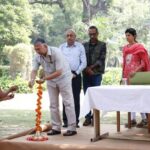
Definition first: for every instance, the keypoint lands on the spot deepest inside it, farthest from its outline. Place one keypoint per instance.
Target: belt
(74, 72)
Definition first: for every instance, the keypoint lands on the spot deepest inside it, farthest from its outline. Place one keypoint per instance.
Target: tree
(54, 2)
(16, 22)
(124, 14)
(120, 16)
(89, 9)
(50, 23)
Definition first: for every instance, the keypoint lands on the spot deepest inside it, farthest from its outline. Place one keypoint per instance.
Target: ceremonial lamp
(38, 136)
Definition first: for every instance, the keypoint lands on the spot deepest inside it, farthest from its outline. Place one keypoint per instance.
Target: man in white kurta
(58, 76)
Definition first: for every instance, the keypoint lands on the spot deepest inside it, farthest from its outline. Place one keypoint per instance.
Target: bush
(4, 71)
(21, 60)
(6, 82)
(22, 84)
(112, 76)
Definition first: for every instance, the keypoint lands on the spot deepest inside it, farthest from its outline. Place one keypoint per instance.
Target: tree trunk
(90, 10)
(54, 2)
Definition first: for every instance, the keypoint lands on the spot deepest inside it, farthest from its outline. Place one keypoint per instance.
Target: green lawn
(15, 121)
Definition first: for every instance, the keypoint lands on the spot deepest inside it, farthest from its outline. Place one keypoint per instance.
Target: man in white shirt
(74, 53)
(58, 76)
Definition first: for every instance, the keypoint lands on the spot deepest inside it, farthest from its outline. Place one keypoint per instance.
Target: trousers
(68, 101)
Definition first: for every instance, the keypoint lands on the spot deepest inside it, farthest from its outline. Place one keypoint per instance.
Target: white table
(115, 98)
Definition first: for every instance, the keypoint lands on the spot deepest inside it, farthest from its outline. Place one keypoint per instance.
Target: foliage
(5, 59)
(123, 14)
(7, 81)
(4, 71)
(112, 76)
(49, 21)
(16, 22)
(21, 60)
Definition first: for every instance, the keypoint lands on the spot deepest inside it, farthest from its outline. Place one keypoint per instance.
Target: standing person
(58, 76)
(92, 74)
(7, 95)
(135, 59)
(74, 53)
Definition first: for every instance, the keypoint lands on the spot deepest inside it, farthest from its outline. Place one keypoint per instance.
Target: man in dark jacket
(92, 74)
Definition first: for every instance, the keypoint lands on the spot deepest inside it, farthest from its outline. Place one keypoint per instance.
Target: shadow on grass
(15, 121)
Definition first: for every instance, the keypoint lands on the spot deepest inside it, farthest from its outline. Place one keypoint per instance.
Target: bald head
(70, 37)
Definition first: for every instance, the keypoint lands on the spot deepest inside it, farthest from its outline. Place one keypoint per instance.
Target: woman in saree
(135, 59)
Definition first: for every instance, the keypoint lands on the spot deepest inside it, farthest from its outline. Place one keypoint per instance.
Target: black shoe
(53, 132)
(69, 133)
(77, 126)
(142, 124)
(87, 122)
(133, 124)
(65, 126)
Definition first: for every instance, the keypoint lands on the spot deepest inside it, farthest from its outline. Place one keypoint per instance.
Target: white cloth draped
(128, 98)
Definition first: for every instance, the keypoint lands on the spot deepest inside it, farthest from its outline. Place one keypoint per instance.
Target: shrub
(6, 82)
(22, 84)
(21, 60)
(4, 71)
(112, 76)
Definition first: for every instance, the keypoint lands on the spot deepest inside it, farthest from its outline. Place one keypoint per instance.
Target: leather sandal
(53, 132)
(69, 133)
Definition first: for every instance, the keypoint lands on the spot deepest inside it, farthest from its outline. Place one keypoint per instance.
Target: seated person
(6, 95)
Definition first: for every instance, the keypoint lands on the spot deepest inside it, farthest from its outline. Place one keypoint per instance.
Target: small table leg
(118, 121)
(129, 120)
(148, 122)
(97, 135)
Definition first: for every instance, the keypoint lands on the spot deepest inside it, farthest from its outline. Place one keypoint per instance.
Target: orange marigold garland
(38, 129)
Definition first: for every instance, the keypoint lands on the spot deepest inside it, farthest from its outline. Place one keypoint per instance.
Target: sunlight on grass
(15, 121)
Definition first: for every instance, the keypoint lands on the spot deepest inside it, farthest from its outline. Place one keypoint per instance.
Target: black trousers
(76, 88)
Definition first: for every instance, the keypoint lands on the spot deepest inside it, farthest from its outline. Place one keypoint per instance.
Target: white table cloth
(128, 98)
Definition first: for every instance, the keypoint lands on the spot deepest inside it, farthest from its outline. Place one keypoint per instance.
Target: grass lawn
(15, 121)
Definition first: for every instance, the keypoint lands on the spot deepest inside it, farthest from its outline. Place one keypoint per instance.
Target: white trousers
(68, 101)
(133, 116)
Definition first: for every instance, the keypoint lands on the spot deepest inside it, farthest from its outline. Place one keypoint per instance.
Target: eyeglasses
(92, 34)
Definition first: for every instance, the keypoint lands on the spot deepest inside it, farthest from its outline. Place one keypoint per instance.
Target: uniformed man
(58, 76)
